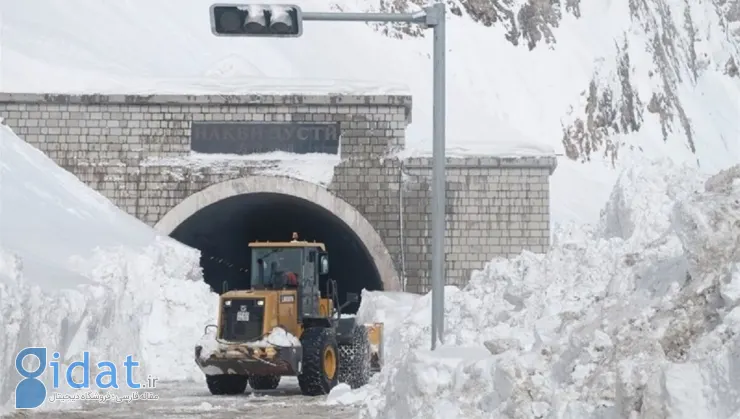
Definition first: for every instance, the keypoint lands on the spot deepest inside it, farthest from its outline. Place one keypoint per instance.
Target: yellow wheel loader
(284, 293)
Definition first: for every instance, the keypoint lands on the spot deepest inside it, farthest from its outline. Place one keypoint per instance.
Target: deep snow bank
(77, 274)
(634, 318)
(47, 215)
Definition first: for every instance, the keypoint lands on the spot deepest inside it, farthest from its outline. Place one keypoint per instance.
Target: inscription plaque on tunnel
(264, 137)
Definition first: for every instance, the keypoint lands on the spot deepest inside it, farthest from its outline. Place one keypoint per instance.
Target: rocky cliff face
(683, 38)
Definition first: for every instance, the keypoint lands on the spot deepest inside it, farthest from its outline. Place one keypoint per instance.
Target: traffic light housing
(273, 20)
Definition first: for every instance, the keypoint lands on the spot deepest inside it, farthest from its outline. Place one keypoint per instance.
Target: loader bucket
(245, 359)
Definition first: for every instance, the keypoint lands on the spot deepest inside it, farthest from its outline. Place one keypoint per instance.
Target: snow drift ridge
(638, 317)
(143, 297)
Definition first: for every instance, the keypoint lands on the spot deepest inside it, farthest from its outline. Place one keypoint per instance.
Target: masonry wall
(496, 207)
(109, 142)
(73, 129)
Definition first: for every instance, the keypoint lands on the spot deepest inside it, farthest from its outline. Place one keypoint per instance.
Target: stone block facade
(495, 207)
(124, 147)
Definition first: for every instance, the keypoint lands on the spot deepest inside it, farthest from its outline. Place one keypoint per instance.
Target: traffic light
(256, 20)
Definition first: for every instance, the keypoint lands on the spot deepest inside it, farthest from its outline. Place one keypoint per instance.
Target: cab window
(271, 266)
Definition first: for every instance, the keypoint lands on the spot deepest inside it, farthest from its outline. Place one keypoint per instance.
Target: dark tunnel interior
(223, 231)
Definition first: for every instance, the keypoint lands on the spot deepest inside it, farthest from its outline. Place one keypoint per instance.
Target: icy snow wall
(638, 317)
(78, 274)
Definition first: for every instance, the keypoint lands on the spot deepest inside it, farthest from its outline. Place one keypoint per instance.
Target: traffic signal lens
(229, 19)
(280, 20)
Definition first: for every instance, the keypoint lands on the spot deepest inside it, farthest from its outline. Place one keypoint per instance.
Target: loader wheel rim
(330, 362)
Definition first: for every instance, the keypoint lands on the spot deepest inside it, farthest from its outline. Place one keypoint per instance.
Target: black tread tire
(354, 359)
(312, 380)
(226, 384)
(264, 382)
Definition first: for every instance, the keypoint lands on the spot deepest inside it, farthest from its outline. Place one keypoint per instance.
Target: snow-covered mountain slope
(78, 274)
(639, 58)
(598, 81)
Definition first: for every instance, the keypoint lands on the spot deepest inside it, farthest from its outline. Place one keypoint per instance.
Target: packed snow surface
(78, 274)
(637, 317)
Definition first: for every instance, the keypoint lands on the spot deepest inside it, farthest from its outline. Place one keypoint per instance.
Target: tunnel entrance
(222, 232)
(224, 218)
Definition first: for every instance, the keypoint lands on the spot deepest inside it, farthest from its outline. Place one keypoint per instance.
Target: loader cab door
(309, 285)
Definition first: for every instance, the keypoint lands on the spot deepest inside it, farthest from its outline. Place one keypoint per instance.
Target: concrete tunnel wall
(296, 188)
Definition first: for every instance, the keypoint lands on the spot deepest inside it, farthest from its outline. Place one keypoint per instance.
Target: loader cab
(296, 265)
(286, 267)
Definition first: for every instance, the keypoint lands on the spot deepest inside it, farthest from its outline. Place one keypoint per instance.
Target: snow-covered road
(191, 400)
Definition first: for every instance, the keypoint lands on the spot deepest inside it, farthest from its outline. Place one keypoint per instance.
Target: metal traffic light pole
(431, 17)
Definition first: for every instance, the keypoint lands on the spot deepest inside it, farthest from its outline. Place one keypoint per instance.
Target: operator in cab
(289, 278)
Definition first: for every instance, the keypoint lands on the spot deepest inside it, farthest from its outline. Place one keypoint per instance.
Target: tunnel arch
(282, 185)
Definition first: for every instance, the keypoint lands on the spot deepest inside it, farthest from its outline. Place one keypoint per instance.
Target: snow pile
(208, 343)
(342, 394)
(278, 337)
(389, 308)
(386, 307)
(634, 318)
(148, 303)
(77, 274)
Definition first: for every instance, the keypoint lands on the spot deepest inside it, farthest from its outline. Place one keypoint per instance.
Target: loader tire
(264, 382)
(320, 363)
(354, 359)
(226, 384)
